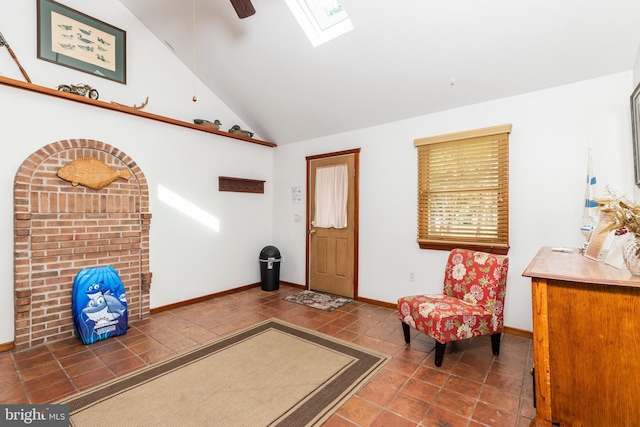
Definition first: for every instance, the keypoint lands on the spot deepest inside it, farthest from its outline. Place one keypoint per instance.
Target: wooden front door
(332, 251)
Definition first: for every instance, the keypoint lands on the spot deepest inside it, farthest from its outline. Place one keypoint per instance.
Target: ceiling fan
(243, 8)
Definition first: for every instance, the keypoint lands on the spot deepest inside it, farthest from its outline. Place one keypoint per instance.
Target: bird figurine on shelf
(215, 124)
(237, 129)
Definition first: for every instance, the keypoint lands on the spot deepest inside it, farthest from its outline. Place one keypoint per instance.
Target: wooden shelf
(124, 109)
(240, 185)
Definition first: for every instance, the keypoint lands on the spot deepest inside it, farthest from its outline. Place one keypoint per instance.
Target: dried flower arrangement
(623, 212)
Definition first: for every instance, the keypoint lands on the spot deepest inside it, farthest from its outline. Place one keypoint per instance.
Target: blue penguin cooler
(99, 304)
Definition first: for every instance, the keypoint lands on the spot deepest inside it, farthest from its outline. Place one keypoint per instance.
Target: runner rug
(271, 374)
(319, 300)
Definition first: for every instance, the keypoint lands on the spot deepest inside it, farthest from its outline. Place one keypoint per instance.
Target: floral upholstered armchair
(472, 303)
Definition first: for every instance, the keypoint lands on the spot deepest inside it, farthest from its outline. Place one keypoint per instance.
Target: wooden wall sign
(240, 185)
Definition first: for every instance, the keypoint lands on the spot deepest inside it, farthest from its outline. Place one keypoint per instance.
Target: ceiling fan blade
(243, 8)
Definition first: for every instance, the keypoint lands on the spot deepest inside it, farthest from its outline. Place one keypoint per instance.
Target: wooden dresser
(586, 338)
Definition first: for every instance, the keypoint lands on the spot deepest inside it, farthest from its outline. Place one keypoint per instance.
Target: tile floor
(472, 388)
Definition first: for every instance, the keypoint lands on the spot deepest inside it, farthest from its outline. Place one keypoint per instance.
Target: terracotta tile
(367, 342)
(330, 328)
(77, 358)
(40, 358)
(411, 354)
(44, 380)
(431, 376)
(500, 399)
(346, 335)
(439, 417)
(426, 346)
(455, 402)
(125, 366)
(386, 419)
(143, 345)
(93, 378)
(387, 348)
(408, 407)
(105, 347)
(506, 383)
(6, 362)
(464, 386)
(29, 353)
(42, 369)
(181, 343)
(131, 340)
(377, 392)
(12, 390)
(156, 355)
(391, 378)
(527, 409)
(477, 359)
(52, 393)
(524, 421)
(337, 421)
(402, 366)
(513, 370)
(84, 366)
(469, 372)
(359, 411)
(420, 390)
(112, 357)
(494, 416)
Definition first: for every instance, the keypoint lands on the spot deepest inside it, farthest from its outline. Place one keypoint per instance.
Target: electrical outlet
(412, 277)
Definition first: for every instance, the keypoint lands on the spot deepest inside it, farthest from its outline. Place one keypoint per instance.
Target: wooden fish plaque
(91, 172)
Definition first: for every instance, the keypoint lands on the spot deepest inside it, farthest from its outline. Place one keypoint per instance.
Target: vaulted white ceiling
(404, 58)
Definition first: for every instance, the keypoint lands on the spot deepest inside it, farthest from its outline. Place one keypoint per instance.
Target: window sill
(123, 109)
(444, 246)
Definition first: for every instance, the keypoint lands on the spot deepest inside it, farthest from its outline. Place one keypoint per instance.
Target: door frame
(356, 213)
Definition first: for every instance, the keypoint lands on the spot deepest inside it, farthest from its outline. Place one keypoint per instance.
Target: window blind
(463, 190)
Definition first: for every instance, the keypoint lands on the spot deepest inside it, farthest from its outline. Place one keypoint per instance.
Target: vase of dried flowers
(631, 255)
(624, 217)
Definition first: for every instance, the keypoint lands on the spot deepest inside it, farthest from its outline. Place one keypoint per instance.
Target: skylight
(321, 20)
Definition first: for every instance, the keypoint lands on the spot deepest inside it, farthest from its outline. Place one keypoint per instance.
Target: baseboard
(202, 298)
(376, 302)
(6, 346)
(518, 332)
(293, 285)
(215, 295)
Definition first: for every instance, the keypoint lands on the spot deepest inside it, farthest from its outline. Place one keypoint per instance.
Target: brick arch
(60, 229)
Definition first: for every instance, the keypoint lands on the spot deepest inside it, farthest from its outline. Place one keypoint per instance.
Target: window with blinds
(463, 190)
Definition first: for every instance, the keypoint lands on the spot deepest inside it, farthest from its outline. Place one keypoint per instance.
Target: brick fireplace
(60, 229)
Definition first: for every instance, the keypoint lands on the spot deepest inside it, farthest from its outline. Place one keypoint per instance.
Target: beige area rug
(271, 374)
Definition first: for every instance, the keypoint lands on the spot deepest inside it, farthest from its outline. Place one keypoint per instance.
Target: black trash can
(270, 268)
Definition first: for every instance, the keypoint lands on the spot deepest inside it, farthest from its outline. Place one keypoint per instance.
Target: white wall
(188, 259)
(552, 130)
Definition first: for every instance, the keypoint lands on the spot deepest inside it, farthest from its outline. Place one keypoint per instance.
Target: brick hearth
(60, 229)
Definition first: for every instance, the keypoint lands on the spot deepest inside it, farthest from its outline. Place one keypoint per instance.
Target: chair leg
(440, 352)
(495, 344)
(407, 332)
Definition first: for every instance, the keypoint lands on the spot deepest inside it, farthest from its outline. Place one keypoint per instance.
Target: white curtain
(332, 190)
